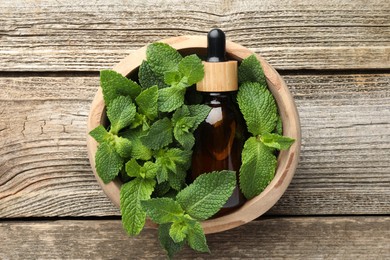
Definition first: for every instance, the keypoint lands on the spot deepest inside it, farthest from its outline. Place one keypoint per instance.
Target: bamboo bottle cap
(220, 75)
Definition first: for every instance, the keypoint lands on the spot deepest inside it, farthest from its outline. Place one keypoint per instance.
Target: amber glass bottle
(219, 139)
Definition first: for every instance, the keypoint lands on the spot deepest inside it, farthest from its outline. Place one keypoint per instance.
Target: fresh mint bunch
(180, 218)
(150, 134)
(259, 109)
(149, 139)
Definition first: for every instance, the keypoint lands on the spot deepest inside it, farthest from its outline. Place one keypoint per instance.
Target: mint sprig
(200, 200)
(259, 109)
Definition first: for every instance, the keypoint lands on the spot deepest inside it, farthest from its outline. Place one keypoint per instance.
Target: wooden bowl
(287, 160)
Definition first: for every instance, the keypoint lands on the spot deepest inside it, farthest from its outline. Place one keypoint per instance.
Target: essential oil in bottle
(220, 138)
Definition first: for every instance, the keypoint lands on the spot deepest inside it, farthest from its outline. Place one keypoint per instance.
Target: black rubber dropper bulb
(216, 46)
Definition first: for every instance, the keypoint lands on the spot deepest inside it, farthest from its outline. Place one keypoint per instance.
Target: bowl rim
(287, 160)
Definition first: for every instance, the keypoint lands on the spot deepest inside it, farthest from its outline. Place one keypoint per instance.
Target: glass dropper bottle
(220, 138)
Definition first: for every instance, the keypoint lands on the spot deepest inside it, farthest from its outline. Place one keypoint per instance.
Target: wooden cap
(219, 77)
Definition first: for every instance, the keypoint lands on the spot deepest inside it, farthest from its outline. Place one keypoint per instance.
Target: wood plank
(344, 166)
(52, 35)
(292, 238)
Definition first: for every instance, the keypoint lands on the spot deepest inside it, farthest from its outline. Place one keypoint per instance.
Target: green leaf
(162, 173)
(200, 113)
(147, 78)
(108, 162)
(257, 168)
(161, 189)
(185, 123)
(180, 113)
(161, 57)
(131, 195)
(258, 108)
(207, 194)
(185, 138)
(250, 70)
(133, 169)
(167, 242)
(170, 98)
(178, 231)
(100, 134)
(172, 77)
(122, 146)
(159, 135)
(147, 102)
(192, 68)
(121, 113)
(114, 85)
(138, 149)
(162, 210)
(177, 180)
(147, 171)
(197, 239)
(277, 141)
(279, 126)
(172, 160)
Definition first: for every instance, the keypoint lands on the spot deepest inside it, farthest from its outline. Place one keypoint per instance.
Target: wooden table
(334, 56)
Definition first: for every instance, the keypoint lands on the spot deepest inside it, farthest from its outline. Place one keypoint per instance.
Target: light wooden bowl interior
(287, 160)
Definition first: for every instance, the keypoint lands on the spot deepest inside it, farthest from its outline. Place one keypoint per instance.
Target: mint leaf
(138, 149)
(183, 125)
(131, 195)
(100, 134)
(172, 77)
(257, 168)
(177, 179)
(250, 70)
(162, 210)
(147, 78)
(200, 113)
(279, 126)
(161, 189)
(258, 108)
(147, 102)
(170, 98)
(185, 120)
(191, 67)
(122, 146)
(178, 231)
(185, 138)
(108, 162)
(114, 84)
(207, 194)
(277, 141)
(147, 171)
(167, 242)
(172, 160)
(197, 239)
(161, 57)
(182, 134)
(120, 112)
(159, 135)
(181, 112)
(133, 169)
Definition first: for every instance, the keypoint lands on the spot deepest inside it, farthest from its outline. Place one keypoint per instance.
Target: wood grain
(344, 166)
(280, 238)
(52, 35)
